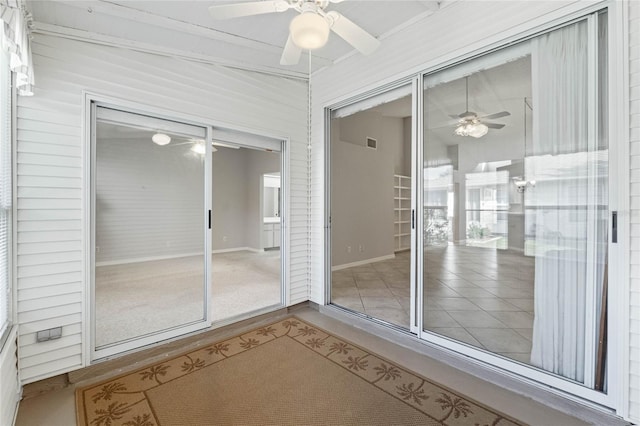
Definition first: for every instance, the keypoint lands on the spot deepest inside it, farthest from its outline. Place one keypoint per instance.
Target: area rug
(286, 373)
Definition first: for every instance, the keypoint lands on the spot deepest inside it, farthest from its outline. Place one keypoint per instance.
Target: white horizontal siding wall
(50, 185)
(457, 29)
(10, 389)
(634, 149)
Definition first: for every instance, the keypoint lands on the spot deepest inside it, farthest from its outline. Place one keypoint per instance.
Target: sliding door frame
(617, 191)
(405, 82)
(285, 296)
(93, 354)
(618, 119)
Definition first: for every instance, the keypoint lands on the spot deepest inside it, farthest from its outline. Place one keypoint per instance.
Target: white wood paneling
(50, 184)
(634, 161)
(10, 389)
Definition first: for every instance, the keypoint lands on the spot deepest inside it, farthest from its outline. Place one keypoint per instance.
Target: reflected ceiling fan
(197, 145)
(470, 124)
(309, 30)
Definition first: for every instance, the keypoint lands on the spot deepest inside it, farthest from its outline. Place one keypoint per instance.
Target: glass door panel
(247, 229)
(372, 207)
(149, 229)
(516, 203)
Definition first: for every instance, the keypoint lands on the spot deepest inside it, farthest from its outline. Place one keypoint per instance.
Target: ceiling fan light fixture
(478, 130)
(309, 30)
(198, 148)
(161, 139)
(473, 128)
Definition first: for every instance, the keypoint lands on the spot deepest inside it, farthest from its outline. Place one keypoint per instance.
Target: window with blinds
(5, 195)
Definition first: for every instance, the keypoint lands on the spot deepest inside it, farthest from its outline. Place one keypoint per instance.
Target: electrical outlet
(97, 249)
(49, 334)
(348, 249)
(361, 248)
(225, 238)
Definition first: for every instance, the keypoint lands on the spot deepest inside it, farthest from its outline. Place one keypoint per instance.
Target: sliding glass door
(495, 239)
(371, 207)
(249, 183)
(515, 203)
(150, 230)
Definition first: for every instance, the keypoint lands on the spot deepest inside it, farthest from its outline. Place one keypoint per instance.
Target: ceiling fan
(470, 124)
(197, 145)
(309, 30)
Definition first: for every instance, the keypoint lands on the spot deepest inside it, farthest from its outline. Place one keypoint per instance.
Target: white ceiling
(185, 28)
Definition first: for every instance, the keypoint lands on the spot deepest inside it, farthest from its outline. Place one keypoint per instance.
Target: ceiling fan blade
(455, 116)
(352, 33)
(291, 53)
(228, 11)
(494, 125)
(497, 115)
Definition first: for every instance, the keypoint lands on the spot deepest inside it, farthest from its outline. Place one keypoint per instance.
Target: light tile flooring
(482, 297)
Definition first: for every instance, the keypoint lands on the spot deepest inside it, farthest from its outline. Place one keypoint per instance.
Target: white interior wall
(260, 162)
(51, 178)
(362, 186)
(229, 206)
(149, 200)
(237, 196)
(404, 168)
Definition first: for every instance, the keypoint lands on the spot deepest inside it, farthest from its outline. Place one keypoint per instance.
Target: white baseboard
(363, 262)
(145, 259)
(174, 256)
(232, 249)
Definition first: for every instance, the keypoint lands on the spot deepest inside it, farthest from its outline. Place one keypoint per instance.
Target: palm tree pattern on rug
(122, 401)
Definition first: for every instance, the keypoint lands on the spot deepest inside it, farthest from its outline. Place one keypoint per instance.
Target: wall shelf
(402, 212)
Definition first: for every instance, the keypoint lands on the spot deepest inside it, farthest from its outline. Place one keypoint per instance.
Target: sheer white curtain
(568, 205)
(16, 40)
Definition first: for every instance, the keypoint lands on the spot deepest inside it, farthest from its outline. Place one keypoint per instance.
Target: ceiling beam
(141, 16)
(105, 40)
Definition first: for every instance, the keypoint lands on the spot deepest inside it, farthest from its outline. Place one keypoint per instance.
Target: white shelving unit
(402, 212)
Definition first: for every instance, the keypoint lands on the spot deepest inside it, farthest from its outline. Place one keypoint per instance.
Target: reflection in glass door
(516, 203)
(149, 230)
(372, 208)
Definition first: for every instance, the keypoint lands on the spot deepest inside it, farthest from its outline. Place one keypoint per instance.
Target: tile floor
(482, 297)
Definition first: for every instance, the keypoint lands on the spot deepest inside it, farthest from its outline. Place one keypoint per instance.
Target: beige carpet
(288, 373)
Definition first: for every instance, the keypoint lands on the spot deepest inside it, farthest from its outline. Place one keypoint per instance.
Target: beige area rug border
(408, 394)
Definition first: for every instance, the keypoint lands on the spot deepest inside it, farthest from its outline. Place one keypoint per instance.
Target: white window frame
(6, 327)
